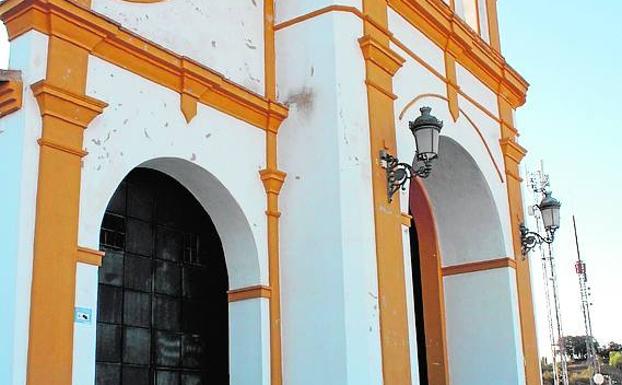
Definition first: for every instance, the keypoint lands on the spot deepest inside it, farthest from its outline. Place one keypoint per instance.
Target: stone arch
(467, 218)
(238, 242)
(248, 319)
(241, 251)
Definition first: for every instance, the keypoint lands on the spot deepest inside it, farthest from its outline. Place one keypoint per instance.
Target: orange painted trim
(452, 86)
(66, 111)
(273, 180)
(438, 22)
(61, 147)
(479, 266)
(252, 292)
(513, 154)
(318, 12)
(493, 25)
(89, 256)
(109, 41)
(381, 55)
(381, 63)
(410, 104)
(65, 105)
(11, 92)
(407, 219)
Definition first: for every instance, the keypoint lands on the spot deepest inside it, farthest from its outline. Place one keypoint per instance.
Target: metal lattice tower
(539, 183)
(584, 291)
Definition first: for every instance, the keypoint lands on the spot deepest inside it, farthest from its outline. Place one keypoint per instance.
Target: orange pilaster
(381, 63)
(513, 154)
(65, 112)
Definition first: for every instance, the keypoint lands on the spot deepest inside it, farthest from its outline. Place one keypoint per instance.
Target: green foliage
(576, 347)
(615, 359)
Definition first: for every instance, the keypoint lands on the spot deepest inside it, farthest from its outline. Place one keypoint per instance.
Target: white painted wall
(483, 331)
(249, 342)
(227, 36)
(216, 157)
(470, 203)
(328, 258)
(19, 161)
(286, 9)
(84, 333)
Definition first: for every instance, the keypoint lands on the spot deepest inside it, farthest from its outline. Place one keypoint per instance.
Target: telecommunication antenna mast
(584, 291)
(539, 183)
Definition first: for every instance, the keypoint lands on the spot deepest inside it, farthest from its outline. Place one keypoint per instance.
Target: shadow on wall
(467, 218)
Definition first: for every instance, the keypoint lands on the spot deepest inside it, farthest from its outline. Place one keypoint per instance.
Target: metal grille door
(162, 316)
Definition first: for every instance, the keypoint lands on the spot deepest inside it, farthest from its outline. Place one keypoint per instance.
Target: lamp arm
(398, 174)
(529, 239)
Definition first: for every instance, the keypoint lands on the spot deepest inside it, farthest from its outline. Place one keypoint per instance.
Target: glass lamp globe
(549, 208)
(426, 130)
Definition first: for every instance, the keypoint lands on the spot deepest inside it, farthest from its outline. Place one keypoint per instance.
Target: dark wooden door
(162, 316)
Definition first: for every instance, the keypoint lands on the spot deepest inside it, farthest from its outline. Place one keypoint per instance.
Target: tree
(615, 359)
(576, 347)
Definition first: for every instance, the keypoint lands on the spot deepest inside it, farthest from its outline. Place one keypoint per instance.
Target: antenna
(539, 183)
(580, 268)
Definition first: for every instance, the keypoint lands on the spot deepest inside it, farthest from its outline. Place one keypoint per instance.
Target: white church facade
(193, 192)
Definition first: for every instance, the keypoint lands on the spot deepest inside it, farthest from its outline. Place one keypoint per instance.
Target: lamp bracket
(530, 239)
(398, 174)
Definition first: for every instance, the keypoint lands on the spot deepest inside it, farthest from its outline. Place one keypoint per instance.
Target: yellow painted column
(65, 112)
(381, 64)
(273, 180)
(513, 154)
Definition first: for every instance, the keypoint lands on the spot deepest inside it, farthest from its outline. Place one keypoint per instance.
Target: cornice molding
(512, 150)
(109, 41)
(11, 92)
(479, 266)
(89, 256)
(440, 24)
(252, 292)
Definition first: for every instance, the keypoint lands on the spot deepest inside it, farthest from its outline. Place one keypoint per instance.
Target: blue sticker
(83, 315)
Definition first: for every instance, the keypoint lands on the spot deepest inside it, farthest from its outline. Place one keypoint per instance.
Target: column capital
(381, 55)
(272, 180)
(78, 110)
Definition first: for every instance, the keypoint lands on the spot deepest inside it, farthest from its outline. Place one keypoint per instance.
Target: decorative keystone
(11, 91)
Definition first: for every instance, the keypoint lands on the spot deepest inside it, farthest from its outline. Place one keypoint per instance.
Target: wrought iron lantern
(549, 210)
(426, 129)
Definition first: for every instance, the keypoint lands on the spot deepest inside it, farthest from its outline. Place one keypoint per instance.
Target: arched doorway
(162, 314)
(427, 288)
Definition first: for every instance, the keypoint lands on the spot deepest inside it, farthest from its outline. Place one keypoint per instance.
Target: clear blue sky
(570, 51)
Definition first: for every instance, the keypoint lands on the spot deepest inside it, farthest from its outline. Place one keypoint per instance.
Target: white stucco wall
(483, 331)
(19, 163)
(286, 9)
(328, 258)
(414, 80)
(227, 36)
(144, 122)
(216, 157)
(481, 308)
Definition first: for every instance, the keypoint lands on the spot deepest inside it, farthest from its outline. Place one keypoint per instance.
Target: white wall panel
(227, 36)
(19, 164)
